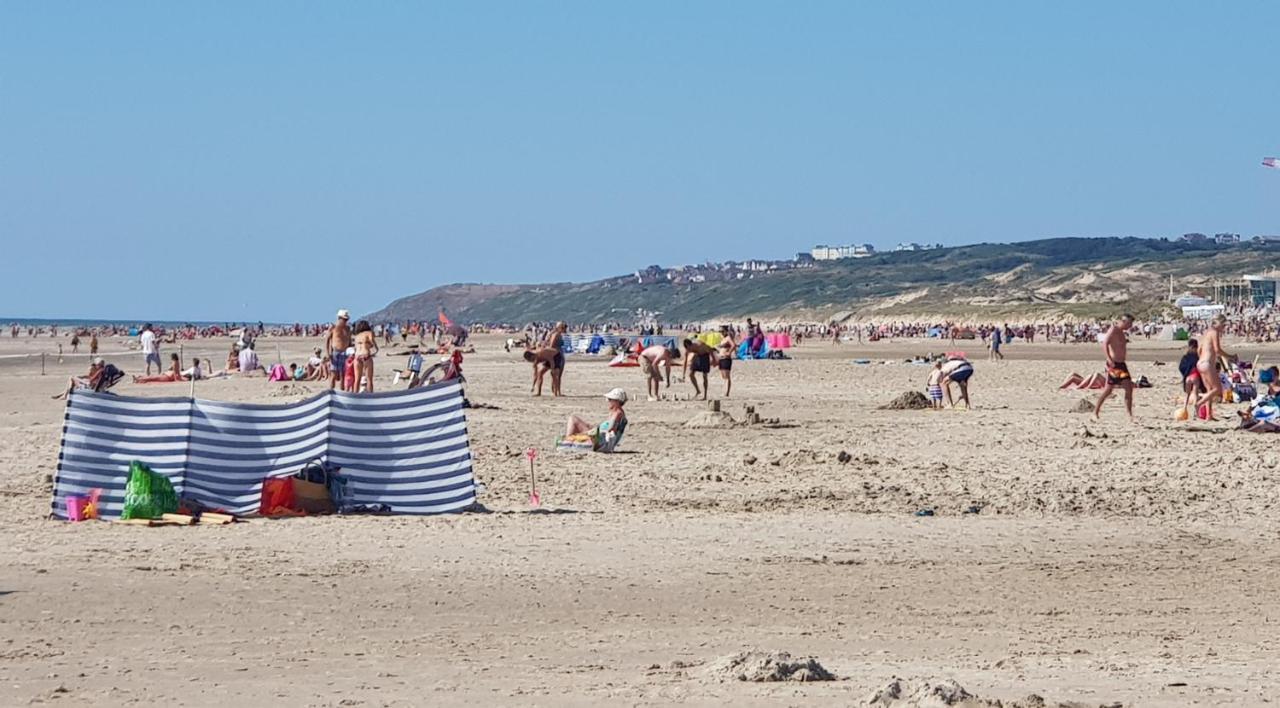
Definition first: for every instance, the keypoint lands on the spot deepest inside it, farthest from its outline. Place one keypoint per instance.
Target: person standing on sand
(996, 337)
(1115, 346)
(1211, 352)
(366, 349)
(93, 344)
(555, 342)
(150, 348)
(700, 354)
(725, 363)
(335, 347)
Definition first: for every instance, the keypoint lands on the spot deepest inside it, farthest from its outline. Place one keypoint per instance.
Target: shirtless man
(335, 347)
(701, 356)
(543, 360)
(1211, 352)
(555, 342)
(1115, 347)
(650, 359)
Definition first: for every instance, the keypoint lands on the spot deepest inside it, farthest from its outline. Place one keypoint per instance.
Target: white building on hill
(835, 253)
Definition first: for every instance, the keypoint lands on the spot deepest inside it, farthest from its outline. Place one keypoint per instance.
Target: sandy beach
(1100, 563)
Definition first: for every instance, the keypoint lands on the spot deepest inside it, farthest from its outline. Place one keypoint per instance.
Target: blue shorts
(152, 357)
(338, 362)
(961, 374)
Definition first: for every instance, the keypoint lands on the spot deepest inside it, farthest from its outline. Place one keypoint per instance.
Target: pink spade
(534, 499)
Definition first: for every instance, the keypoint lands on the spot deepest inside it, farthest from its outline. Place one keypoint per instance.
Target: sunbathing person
(173, 374)
(317, 367)
(248, 361)
(195, 373)
(87, 381)
(605, 436)
(1083, 382)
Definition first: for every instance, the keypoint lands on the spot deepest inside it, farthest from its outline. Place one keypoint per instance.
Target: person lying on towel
(605, 436)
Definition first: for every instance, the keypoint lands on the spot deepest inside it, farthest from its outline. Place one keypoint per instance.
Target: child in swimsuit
(935, 385)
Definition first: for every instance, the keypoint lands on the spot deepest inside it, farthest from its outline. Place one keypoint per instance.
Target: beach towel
(575, 444)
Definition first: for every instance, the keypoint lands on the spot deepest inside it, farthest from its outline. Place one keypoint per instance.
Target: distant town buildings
(815, 257)
(836, 253)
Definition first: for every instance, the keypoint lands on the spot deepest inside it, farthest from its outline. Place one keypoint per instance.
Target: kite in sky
(1271, 162)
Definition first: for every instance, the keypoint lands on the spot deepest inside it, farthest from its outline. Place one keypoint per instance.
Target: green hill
(1051, 278)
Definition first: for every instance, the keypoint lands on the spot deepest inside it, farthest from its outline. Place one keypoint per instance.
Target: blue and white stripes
(406, 449)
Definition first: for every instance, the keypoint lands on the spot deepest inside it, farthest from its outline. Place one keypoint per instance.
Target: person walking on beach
(93, 344)
(1115, 346)
(996, 337)
(1211, 353)
(150, 348)
(335, 347)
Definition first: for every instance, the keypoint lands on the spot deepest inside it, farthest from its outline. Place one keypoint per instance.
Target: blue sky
(279, 160)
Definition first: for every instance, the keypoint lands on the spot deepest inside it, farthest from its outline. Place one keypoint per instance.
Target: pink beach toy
(534, 499)
(76, 504)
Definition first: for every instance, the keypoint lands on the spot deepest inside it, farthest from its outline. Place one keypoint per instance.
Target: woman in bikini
(173, 375)
(1211, 352)
(366, 348)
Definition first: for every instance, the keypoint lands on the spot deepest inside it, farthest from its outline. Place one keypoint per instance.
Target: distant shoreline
(85, 322)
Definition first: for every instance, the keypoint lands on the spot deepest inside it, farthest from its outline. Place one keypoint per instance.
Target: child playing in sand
(935, 385)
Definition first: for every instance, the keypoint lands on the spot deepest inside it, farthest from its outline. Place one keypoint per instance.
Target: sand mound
(761, 666)
(1085, 405)
(943, 694)
(711, 419)
(291, 390)
(911, 400)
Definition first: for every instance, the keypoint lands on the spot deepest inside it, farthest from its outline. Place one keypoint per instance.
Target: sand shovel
(534, 499)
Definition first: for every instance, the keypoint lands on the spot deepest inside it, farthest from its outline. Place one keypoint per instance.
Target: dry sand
(1103, 566)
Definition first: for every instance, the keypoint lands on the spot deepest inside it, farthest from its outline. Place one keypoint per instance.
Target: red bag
(277, 496)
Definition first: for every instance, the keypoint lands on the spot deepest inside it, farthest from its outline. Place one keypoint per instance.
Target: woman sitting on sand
(233, 360)
(605, 436)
